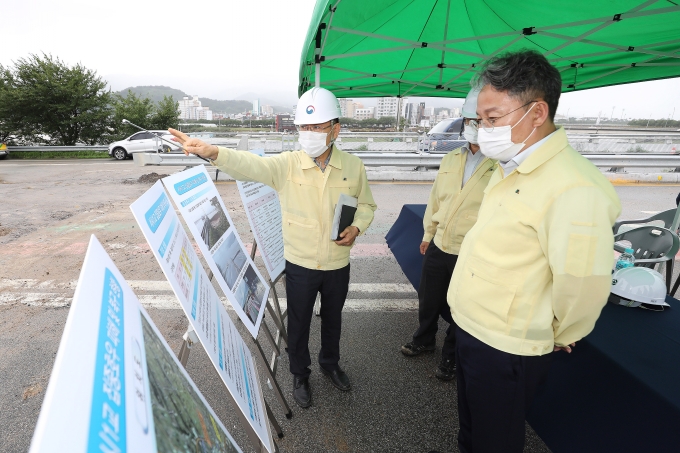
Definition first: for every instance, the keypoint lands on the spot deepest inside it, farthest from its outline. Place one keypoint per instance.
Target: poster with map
(198, 298)
(204, 212)
(116, 386)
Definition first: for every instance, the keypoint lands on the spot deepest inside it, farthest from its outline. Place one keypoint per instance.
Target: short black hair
(526, 75)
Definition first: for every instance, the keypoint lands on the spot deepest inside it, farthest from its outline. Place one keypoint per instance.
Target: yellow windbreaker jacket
(535, 270)
(308, 197)
(452, 210)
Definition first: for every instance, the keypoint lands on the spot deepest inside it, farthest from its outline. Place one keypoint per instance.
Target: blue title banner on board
(195, 196)
(166, 239)
(154, 216)
(107, 416)
(185, 186)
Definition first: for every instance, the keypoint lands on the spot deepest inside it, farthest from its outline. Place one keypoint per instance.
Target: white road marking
(382, 288)
(164, 285)
(33, 283)
(35, 299)
(150, 285)
(167, 302)
(33, 292)
(650, 212)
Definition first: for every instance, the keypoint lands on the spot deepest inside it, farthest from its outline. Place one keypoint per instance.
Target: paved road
(49, 210)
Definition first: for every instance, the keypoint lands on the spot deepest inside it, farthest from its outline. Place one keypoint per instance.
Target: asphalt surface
(48, 210)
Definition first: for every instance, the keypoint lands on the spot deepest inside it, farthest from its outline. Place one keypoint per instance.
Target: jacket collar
(545, 152)
(336, 158)
(307, 162)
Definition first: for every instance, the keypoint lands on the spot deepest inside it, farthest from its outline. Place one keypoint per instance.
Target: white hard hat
(317, 106)
(469, 109)
(639, 287)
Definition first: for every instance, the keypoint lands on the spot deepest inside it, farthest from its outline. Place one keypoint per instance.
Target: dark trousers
(302, 286)
(495, 391)
(434, 285)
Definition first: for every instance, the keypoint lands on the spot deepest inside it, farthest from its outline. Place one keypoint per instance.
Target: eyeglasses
(315, 127)
(489, 123)
(472, 123)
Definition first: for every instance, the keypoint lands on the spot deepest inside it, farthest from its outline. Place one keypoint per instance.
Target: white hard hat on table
(638, 287)
(469, 109)
(317, 106)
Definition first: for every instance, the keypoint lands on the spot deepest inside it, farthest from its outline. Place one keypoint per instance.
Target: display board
(229, 354)
(263, 209)
(202, 208)
(116, 386)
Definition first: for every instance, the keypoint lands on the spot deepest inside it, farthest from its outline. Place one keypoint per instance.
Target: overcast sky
(224, 49)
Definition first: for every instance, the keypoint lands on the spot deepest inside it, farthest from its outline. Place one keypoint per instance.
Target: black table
(618, 391)
(404, 240)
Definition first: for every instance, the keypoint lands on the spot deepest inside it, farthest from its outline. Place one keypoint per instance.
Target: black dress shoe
(302, 394)
(446, 371)
(338, 378)
(411, 349)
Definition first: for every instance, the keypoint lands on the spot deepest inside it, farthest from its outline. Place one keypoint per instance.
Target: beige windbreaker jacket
(535, 270)
(452, 210)
(308, 197)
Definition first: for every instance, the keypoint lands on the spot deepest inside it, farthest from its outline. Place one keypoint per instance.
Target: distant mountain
(156, 93)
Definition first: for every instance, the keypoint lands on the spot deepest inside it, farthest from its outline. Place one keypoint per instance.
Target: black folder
(346, 219)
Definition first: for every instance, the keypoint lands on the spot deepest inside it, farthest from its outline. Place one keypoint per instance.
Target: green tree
(142, 112)
(166, 114)
(59, 104)
(133, 108)
(10, 126)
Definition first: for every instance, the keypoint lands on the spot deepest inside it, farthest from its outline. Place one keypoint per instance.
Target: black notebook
(344, 215)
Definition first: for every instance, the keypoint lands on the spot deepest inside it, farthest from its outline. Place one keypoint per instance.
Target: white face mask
(498, 144)
(314, 143)
(470, 134)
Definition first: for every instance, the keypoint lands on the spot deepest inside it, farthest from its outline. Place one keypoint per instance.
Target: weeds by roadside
(59, 155)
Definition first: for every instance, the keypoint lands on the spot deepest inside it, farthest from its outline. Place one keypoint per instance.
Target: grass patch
(59, 155)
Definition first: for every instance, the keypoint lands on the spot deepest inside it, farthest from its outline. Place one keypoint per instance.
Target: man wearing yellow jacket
(451, 210)
(309, 183)
(535, 271)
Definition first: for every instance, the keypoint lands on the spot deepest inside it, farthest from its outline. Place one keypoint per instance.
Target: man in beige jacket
(309, 183)
(451, 211)
(535, 271)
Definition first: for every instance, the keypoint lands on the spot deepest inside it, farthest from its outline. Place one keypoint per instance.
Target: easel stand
(278, 317)
(190, 338)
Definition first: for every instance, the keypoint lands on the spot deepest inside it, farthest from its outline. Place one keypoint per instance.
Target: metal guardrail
(415, 160)
(411, 160)
(583, 140)
(634, 160)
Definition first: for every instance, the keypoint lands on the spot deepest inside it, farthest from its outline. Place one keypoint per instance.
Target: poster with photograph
(263, 209)
(116, 386)
(222, 342)
(203, 210)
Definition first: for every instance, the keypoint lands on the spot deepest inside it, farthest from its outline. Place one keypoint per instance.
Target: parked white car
(142, 142)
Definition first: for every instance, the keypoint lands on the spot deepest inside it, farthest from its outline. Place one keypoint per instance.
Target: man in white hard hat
(309, 183)
(451, 211)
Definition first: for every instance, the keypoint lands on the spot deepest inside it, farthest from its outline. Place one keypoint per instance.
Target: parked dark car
(445, 136)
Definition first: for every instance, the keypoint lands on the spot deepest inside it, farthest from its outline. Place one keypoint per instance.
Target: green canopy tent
(372, 48)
